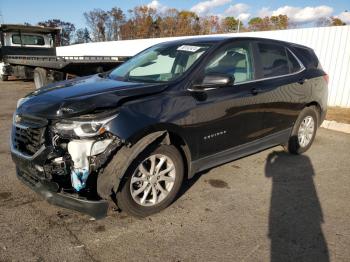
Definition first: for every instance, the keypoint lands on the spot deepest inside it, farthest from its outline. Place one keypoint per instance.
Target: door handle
(255, 91)
(302, 81)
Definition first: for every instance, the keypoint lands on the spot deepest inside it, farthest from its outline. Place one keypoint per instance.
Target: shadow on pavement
(295, 212)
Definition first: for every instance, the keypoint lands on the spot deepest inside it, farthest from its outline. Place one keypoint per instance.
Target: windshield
(160, 63)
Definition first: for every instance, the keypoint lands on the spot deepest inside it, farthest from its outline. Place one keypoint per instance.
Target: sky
(299, 11)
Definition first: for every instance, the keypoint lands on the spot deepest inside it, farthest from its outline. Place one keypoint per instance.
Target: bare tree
(117, 19)
(145, 22)
(67, 29)
(97, 20)
(323, 21)
(168, 23)
(230, 24)
(82, 35)
(337, 21)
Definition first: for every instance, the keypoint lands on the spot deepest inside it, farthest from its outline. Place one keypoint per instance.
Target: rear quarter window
(294, 65)
(274, 61)
(277, 60)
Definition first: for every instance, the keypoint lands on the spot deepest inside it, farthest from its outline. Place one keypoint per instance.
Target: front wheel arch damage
(109, 180)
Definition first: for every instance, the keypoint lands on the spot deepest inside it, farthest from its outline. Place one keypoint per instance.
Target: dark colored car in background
(134, 134)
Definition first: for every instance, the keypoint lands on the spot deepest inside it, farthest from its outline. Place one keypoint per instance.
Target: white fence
(331, 44)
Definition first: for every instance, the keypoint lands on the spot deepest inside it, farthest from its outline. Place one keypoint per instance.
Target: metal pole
(239, 24)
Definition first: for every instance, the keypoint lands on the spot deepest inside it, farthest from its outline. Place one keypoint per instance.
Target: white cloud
(236, 9)
(244, 16)
(263, 12)
(298, 14)
(239, 11)
(344, 16)
(157, 5)
(205, 7)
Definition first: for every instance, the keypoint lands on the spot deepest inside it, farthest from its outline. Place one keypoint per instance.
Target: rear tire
(157, 189)
(304, 131)
(40, 77)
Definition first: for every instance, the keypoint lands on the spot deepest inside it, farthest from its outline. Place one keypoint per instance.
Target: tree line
(146, 22)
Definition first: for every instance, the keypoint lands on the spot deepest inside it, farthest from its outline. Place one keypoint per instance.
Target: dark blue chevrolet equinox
(132, 135)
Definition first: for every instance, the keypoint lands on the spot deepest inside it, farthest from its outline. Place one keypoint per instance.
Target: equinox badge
(215, 135)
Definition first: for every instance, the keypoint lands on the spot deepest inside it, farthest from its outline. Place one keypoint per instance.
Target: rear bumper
(322, 116)
(27, 173)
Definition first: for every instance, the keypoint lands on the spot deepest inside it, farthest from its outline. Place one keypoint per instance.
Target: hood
(82, 95)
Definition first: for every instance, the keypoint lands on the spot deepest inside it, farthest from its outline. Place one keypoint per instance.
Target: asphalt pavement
(270, 206)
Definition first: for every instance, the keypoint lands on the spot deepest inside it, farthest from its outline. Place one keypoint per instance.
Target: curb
(336, 126)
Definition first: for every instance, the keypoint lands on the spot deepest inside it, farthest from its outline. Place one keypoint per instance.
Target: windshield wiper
(137, 79)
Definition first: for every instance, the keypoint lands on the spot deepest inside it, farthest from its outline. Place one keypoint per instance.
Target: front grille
(28, 138)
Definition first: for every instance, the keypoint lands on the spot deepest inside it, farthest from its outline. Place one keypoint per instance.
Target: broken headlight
(87, 128)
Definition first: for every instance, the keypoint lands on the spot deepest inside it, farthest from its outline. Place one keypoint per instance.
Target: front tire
(152, 181)
(304, 131)
(40, 77)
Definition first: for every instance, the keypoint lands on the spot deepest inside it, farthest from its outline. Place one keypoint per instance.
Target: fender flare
(109, 179)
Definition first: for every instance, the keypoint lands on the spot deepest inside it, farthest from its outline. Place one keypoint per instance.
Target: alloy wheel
(152, 180)
(306, 131)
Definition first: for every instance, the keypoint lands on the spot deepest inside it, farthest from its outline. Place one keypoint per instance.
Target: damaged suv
(132, 135)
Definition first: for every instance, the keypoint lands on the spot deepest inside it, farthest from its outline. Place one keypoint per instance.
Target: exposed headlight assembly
(88, 128)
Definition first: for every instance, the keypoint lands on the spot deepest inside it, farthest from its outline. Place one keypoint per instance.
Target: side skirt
(240, 151)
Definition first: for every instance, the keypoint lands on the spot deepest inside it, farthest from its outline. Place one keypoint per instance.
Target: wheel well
(181, 145)
(172, 138)
(318, 108)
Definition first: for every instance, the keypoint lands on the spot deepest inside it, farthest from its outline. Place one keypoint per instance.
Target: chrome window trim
(302, 68)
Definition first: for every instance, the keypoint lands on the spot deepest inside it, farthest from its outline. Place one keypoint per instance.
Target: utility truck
(29, 53)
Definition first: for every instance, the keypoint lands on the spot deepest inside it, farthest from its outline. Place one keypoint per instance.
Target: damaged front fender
(109, 179)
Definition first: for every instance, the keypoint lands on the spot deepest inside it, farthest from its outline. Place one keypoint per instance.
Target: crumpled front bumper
(28, 173)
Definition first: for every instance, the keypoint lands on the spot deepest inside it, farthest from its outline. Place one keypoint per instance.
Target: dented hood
(83, 95)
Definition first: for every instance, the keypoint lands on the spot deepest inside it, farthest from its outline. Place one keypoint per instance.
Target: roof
(197, 40)
(226, 38)
(28, 28)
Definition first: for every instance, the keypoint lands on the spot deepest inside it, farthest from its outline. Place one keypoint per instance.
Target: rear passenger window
(235, 60)
(294, 65)
(274, 60)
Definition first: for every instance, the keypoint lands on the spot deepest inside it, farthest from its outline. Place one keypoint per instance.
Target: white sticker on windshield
(189, 48)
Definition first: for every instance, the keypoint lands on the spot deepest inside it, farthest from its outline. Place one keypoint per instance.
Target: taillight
(326, 78)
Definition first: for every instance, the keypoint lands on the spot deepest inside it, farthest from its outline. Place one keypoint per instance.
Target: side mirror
(212, 81)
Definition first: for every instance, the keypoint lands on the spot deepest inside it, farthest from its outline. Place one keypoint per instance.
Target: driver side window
(234, 60)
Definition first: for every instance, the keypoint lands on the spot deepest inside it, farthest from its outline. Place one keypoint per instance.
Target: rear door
(280, 79)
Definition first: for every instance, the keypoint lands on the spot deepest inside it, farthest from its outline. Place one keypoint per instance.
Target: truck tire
(40, 77)
(4, 77)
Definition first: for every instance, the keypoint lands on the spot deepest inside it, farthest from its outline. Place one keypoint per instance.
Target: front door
(228, 116)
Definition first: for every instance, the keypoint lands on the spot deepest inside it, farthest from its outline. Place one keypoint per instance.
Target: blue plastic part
(78, 178)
